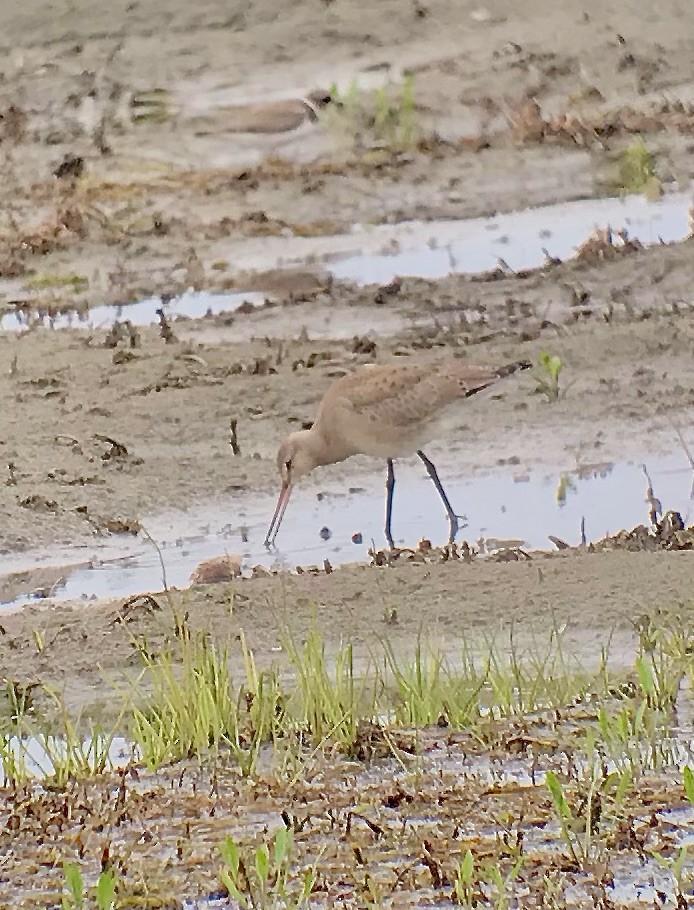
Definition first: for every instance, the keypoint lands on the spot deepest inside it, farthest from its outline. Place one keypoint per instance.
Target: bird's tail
(493, 376)
(510, 368)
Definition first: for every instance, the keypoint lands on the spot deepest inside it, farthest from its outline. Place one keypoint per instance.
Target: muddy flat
(89, 651)
(133, 173)
(210, 212)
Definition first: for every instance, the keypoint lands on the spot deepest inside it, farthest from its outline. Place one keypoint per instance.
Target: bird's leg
(453, 519)
(390, 487)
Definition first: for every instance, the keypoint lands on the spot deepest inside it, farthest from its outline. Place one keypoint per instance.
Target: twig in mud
(584, 541)
(687, 452)
(233, 438)
(143, 600)
(655, 507)
(156, 546)
(375, 829)
(113, 336)
(195, 271)
(401, 875)
(133, 334)
(427, 857)
(165, 330)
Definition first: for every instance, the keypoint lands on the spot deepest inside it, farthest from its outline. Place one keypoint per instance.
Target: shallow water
(633, 879)
(506, 508)
(35, 753)
(414, 248)
(192, 305)
(475, 245)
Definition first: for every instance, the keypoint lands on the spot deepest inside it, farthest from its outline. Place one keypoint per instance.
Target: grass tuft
(637, 170)
(262, 878)
(385, 118)
(195, 707)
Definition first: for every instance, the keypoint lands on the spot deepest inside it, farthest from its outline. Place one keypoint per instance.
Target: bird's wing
(404, 394)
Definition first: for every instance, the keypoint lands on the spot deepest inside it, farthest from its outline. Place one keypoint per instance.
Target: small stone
(326, 533)
(357, 538)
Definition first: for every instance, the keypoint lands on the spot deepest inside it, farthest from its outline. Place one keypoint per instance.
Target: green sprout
(547, 375)
(259, 879)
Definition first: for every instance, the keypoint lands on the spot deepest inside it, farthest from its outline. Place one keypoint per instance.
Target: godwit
(387, 411)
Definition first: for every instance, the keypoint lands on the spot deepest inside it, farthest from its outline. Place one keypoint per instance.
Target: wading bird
(388, 411)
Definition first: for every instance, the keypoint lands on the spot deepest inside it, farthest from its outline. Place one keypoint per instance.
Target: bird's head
(322, 98)
(296, 458)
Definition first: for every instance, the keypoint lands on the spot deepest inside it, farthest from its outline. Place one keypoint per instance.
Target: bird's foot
(456, 523)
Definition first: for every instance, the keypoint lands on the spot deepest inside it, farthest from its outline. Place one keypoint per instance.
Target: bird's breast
(383, 437)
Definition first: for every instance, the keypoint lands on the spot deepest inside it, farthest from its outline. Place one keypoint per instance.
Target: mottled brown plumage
(388, 411)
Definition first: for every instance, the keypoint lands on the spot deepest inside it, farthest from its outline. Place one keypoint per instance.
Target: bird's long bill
(280, 509)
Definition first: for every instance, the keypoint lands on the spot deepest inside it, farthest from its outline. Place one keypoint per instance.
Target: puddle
(40, 755)
(501, 509)
(645, 880)
(414, 248)
(680, 821)
(475, 245)
(272, 322)
(191, 305)
(434, 249)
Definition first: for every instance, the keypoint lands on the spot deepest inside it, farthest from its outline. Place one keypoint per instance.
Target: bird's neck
(320, 447)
